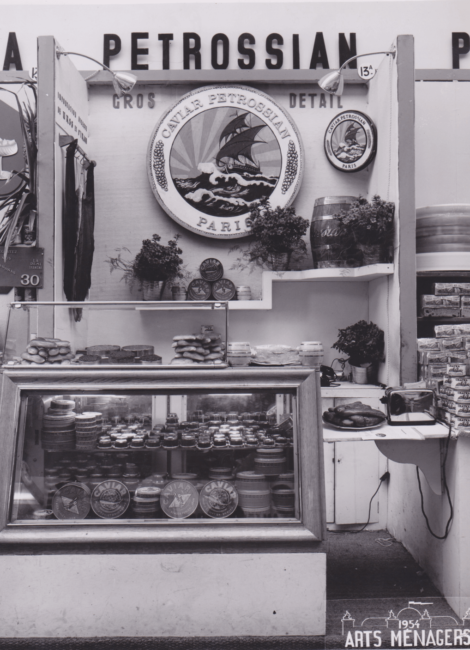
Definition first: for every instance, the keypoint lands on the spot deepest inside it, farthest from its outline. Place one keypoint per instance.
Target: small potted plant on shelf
(277, 237)
(363, 342)
(153, 267)
(367, 231)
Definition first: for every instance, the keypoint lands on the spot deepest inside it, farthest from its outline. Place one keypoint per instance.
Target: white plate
(372, 426)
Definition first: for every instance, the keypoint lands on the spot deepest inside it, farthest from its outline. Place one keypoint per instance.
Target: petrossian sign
(217, 152)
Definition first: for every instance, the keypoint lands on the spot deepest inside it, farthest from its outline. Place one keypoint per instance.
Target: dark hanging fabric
(70, 217)
(86, 242)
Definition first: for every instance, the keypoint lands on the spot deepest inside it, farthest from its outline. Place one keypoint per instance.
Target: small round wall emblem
(218, 151)
(110, 499)
(218, 499)
(179, 499)
(351, 141)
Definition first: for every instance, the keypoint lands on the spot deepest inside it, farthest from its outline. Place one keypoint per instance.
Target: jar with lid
(311, 353)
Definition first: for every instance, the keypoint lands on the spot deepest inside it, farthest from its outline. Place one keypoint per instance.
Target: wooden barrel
(326, 249)
(443, 228)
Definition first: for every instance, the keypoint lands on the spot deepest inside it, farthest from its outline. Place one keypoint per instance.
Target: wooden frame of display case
(308, 454)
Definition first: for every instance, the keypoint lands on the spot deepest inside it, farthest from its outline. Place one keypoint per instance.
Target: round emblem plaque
(179, 499)
(351, 141)
(211, 269)
(218, 151)
(218, 499)
(110, 499)
(71, 501)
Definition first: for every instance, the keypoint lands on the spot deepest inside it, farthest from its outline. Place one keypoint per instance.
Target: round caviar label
(199, 290)
(218, 499)
(223, 289)
(110, 499)
(71, 501)
(211, 269)
(351, 141)
(217, 152)
(179, 499)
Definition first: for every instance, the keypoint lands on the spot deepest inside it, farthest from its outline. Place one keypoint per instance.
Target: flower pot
(371, 254)
(365, 374)
(152, 290)
(279, 261)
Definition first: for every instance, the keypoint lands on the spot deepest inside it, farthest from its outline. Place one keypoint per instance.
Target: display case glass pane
(82, 335)
(156, 457)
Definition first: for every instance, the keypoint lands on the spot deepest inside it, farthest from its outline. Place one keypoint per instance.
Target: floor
(369, 575)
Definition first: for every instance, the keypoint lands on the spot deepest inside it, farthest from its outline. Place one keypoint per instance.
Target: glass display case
(90, 334)
(237, 450)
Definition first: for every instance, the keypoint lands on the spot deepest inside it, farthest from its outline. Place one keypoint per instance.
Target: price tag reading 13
(217, 152)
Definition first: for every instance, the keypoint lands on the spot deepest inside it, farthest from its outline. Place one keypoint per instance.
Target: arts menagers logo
(412, 627)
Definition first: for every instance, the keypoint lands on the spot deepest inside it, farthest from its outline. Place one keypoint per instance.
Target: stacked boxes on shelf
(454, 403)
(450, 300)
(447, 354)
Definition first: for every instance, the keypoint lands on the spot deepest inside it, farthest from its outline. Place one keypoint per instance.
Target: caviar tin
(283, 496)
(224, 289)
(253, 512)
(249, 480)
(110, 499)
(199, 289)
(179, 499)
(254, 498)
(270, 466)
(218, 499)
(211, 269)
(71, 501)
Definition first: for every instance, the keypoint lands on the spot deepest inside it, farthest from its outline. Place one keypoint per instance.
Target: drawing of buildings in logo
(407, 618)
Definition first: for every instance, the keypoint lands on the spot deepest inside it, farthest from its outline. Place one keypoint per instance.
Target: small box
(433, 356)
(446, 288)
(465, 301)
(462, 410)
(436, 370)
(441, 312)
(460, 421)
(456, 369)
(462, 329)
(432, 301)
(451, 344)
(429, 344)
(465, 312)
(457, 356)
(443, 331)
(458, 383)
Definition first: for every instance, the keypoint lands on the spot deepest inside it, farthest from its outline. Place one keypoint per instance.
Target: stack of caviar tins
(144, 354)
(88, 427)
(58, 432)
(270, 461)
(254, 495)
(131, 477)
(454, 403)
(221, 474)
(204, 348)
(146, 502)
(446, 354)
(283, 496)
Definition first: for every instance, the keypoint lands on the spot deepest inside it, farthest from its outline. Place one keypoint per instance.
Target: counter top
(385, 432)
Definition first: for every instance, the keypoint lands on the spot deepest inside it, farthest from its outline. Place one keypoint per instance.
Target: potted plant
(367, 230)
(363, 342)
(277, 237)
(153, 267)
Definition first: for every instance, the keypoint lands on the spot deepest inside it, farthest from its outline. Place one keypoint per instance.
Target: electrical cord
(446, 487)
(383, 478)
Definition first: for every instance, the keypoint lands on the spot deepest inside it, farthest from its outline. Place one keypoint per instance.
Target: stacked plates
(58, 427)
(87, 427)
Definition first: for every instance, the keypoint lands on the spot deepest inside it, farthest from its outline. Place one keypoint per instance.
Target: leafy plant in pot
(154, 266)
(277, 237)
(363, 342)
(367, 230)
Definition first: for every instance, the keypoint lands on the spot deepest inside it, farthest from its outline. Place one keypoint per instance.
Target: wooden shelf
(442, 319)
(359, 274)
